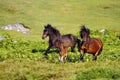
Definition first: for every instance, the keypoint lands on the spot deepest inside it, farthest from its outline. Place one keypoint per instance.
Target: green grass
(63, 14)
(24, 60)
(32, 70)
(99, 73)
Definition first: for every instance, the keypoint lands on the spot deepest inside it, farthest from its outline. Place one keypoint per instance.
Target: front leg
(48, 49)
(82, 55)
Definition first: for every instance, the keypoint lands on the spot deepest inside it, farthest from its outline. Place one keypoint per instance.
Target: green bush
(11, 48)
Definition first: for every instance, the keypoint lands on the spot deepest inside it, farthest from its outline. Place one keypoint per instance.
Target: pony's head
(49, 30)
(84, 33)
(46, 31)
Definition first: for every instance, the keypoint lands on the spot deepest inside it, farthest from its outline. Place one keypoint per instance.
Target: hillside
(62, 14)
(22, 55)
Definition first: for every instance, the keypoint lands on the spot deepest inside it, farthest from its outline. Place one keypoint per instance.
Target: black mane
(53, 30)
(84, 29)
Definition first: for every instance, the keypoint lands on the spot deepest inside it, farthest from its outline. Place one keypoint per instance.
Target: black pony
(56, 40)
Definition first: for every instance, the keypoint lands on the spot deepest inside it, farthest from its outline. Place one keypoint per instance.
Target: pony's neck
(88, 38)
(54, 36)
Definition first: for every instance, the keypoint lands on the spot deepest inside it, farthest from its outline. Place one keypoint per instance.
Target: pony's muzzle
(84, 40)
(43, 37)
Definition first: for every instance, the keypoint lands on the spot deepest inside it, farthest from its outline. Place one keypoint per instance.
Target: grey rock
(16, 27)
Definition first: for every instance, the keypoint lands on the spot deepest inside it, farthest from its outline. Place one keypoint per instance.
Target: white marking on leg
(61, 58)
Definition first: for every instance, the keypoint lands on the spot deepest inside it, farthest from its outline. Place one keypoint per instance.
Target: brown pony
(56, 40)
(89, 45)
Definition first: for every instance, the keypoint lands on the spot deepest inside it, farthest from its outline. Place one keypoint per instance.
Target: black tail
(79, 44)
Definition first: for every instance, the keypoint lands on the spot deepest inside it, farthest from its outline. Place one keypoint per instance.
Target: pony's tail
(79, 44)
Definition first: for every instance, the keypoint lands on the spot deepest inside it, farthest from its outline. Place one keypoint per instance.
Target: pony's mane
(84, 29)
(54, 30)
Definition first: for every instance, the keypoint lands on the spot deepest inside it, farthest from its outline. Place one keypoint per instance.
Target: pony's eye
(45, 30)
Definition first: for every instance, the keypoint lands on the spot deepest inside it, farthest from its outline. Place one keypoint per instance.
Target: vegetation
(23, 59)
(22, 55)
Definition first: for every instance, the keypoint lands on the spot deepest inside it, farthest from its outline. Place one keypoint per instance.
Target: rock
(103, 31)
(16, 27)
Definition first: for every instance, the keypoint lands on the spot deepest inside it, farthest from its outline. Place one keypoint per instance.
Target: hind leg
(94, 58)
(96, 54)
(63, 54)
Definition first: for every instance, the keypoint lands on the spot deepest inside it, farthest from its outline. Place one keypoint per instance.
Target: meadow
(22, 55)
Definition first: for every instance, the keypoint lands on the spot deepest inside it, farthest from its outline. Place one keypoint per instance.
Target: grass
(25, 60)
(62, 14)
(98, 73)
(67, 16)
(32, 70)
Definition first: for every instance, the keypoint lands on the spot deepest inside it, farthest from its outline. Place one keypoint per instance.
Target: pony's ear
(45, 26)
(49, 25)
(83, 28)
(81, 35)
(88, 31)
